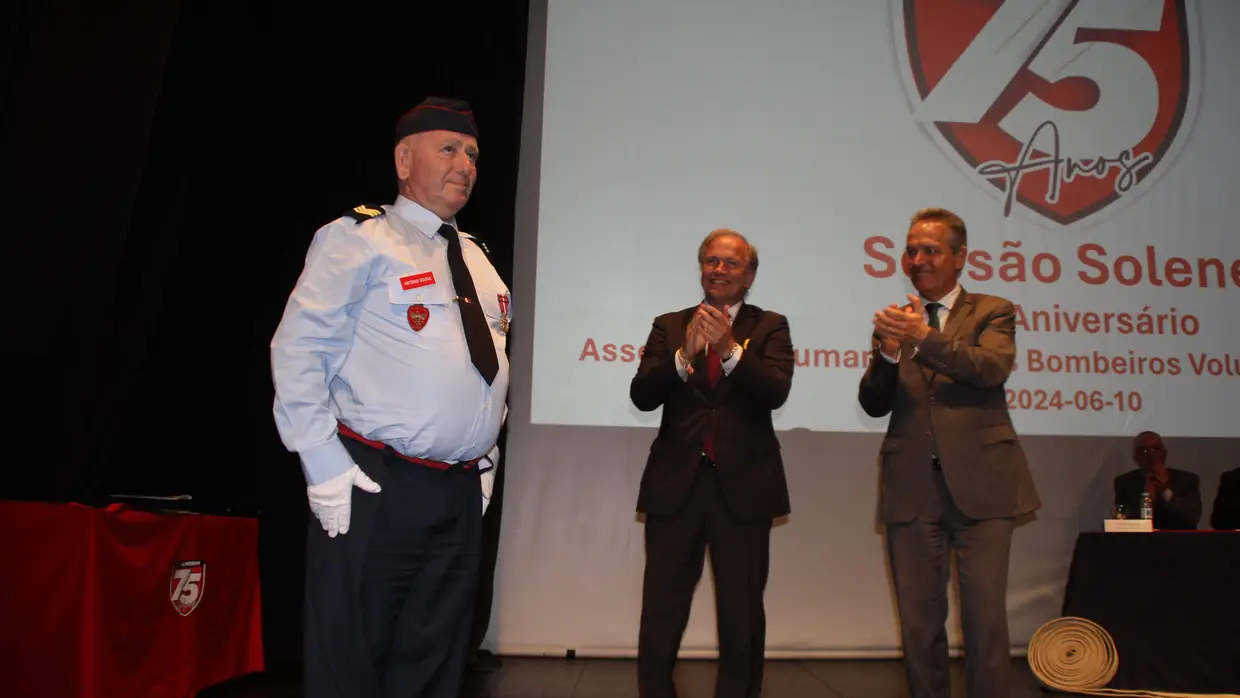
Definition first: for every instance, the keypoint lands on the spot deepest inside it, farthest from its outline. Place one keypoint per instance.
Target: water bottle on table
(1147, 506)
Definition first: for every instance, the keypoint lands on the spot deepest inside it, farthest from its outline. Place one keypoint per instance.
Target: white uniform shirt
(347, 349)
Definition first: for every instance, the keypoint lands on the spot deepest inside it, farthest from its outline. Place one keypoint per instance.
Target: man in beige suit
(954, 476)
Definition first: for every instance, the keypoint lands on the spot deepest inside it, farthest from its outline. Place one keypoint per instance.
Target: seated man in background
(1226, 514)
(1176, 493)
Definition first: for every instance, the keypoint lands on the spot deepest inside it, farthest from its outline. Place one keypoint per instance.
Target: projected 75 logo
(1066, 108)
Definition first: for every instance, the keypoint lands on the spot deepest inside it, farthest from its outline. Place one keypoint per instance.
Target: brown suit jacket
(950, 394)
(738, 412)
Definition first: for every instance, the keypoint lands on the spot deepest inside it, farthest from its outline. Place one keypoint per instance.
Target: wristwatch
(731, 353)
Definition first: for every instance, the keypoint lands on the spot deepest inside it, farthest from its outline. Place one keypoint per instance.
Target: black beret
(437, 114)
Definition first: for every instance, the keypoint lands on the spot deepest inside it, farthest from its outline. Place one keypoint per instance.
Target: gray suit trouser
(920, 555)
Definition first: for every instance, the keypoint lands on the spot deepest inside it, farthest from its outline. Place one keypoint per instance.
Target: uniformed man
(390, 379)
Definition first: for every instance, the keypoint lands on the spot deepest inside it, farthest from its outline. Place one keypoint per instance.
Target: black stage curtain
(166, 164)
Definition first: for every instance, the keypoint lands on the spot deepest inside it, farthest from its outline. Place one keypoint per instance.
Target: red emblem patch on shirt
(418, 315)
(426, 278)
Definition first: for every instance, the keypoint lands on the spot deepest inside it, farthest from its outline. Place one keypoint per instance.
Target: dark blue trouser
(389, 603)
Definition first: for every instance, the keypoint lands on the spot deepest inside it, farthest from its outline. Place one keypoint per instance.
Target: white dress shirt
(346, 348)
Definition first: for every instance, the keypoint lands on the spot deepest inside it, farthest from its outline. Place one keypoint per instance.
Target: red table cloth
(120, 602)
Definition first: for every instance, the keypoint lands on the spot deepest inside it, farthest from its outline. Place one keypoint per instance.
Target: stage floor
(521, 677)
(527, 677)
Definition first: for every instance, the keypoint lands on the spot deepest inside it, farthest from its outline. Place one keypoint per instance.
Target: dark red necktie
(713, 367)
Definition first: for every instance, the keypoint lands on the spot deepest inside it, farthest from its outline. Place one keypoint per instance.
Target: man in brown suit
(954, 476)
(714, 477)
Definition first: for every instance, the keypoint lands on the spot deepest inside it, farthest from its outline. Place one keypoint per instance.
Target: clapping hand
(716, 327)
(897, 326)
(695, 339)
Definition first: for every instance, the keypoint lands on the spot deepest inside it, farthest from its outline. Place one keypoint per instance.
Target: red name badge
(426, 278)
(418, 315)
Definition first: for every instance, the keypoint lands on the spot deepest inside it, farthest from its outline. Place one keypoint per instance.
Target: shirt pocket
(421, 309)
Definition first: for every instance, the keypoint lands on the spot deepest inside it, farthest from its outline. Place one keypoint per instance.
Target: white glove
(332, 501)
(488, 477)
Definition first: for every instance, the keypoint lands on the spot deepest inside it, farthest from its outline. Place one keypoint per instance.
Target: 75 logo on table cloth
(1066, 108)
(185, 587)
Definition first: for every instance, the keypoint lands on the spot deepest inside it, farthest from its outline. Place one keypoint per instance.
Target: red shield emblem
(186, 585)
(1062, 108)
(418, 315)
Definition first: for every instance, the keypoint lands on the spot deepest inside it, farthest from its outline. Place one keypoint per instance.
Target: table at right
(1171, 602)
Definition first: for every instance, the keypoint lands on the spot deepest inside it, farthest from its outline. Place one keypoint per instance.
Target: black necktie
(932, 312)
(477, 331)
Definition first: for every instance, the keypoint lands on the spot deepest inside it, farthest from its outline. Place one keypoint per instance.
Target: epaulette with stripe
(477, 240)
(365, 212)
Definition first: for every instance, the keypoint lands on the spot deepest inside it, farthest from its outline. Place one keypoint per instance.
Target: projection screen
(1087, 146)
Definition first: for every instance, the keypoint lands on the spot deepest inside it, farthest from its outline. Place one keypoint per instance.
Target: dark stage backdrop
(166, 164)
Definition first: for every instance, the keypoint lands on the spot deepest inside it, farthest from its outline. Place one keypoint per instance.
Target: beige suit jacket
(948, 394)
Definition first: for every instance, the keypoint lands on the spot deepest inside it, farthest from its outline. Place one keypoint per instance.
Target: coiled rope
(1076, 655)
